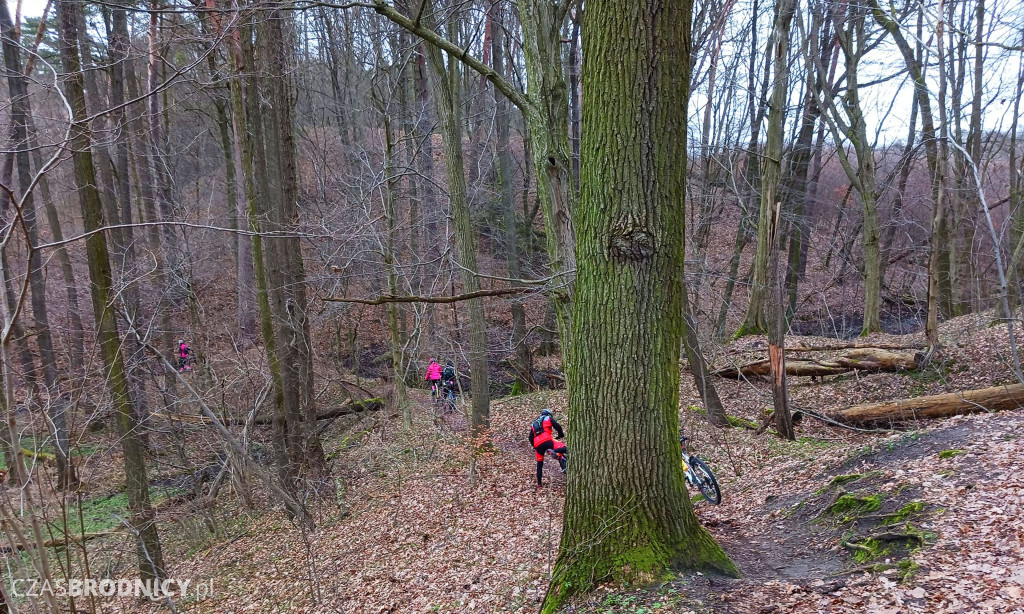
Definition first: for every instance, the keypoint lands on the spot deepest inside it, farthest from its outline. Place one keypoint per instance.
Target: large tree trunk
(20, 111)
(627, 514)
(996, 398)
(109, 338)
(445, 81)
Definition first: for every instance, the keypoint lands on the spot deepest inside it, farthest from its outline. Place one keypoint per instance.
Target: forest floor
(926, 519)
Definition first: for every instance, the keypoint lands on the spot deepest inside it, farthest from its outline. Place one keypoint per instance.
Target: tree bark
(937, 172)
(109, 338)
(627, 514)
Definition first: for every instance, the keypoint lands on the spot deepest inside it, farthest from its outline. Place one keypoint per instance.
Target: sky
(29, 8)
(887, 106)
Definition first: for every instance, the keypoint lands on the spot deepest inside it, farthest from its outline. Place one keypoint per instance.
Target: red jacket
(545, 435)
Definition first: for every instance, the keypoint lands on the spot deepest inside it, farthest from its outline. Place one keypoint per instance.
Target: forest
(285, 283)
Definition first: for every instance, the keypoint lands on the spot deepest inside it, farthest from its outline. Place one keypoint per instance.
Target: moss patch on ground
(950, 454)
(849, 506)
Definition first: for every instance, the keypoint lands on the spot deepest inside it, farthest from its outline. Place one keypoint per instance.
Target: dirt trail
(957, 484)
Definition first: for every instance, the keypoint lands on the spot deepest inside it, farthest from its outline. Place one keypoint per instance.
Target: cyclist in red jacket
(542, 441)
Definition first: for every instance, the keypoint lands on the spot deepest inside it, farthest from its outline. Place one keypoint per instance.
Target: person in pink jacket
(434, 377)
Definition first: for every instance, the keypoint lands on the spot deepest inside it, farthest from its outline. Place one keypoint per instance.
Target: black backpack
(537, 427)
(448, 373)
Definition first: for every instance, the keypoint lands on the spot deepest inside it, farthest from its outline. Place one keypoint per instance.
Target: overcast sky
(886, 106)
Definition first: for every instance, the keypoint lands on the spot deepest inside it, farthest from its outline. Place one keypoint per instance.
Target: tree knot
(628, 240)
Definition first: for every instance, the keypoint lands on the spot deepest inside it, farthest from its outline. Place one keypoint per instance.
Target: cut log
(997, 398)
(858, 359)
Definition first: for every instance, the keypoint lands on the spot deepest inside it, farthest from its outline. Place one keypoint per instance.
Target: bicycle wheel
(706, 481)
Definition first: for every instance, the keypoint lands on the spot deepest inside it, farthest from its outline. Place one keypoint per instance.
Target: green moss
(950, 453)
(643, 564)
(905, 512)
(847, 507)
(104, 512)
(737, 422)
(908, 567)
(746, 329)
(839, 480)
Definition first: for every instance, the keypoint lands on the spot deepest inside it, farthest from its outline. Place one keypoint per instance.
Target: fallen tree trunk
(62, 542)
(346, 408)
(859, 359)
(794, 349)
(997, 398)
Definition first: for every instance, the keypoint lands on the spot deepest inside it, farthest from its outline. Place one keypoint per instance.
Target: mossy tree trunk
(445, 78)
(628, 515)
(141, 517)
(756, 319)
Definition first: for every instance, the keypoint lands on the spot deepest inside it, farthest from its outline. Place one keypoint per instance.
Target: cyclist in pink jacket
(434, 377)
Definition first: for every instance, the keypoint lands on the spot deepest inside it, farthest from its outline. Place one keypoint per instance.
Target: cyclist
(542, 441)
(434, 377)
(448, 376)
(184, 354)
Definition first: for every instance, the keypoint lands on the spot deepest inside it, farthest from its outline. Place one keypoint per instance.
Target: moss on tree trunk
(628, 516)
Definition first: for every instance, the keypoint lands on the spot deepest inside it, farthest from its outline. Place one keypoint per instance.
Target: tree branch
(514, 96)
(387, 298)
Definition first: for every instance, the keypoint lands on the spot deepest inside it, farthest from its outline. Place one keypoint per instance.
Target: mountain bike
(435, 392)
(699, 474)
(448, 397)
(561, 457)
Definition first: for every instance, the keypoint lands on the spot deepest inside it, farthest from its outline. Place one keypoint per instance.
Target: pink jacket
(433, 372)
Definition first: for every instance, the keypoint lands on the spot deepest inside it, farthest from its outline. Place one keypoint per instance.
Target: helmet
(180, 341)
(545, 412)
(433, 360)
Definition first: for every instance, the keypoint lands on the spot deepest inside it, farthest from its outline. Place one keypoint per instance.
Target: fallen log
(62, 542)
(858, 359)
(796, 349)
(346, 408)
(996, 398)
